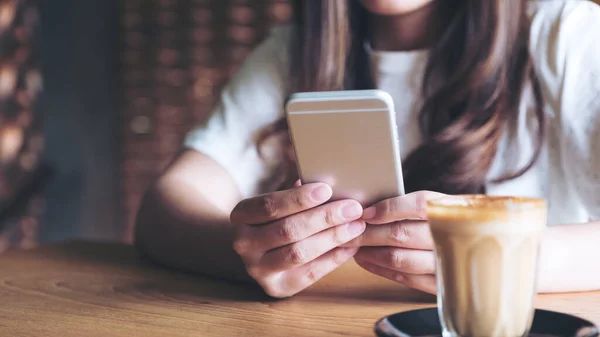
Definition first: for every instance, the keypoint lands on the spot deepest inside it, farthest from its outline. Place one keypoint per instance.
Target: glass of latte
(486, 259)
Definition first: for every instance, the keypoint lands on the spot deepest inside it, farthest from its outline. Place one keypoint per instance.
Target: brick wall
(175, 57)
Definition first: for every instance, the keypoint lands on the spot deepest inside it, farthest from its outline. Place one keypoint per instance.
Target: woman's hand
(397, 243)
(289, 239)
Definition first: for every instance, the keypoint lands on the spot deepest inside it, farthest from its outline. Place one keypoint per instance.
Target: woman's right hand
(290, 239)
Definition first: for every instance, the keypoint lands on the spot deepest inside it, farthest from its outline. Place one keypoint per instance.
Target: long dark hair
(472, 88)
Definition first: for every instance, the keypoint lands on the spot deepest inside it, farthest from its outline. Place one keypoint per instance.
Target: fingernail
(369, 213)
(351, 211)
(321, 194)
(356, 227)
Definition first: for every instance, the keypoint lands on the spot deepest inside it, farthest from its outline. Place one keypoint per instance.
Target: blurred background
(95, 98)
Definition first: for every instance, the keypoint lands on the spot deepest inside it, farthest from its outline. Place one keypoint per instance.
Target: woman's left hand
(397, 243)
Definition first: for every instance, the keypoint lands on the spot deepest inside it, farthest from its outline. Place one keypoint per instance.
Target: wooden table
(93, 289)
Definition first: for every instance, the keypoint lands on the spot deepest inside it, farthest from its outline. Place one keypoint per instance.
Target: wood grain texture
(92, 289)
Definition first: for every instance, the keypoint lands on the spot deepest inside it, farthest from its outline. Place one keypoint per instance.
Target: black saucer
(425, 323)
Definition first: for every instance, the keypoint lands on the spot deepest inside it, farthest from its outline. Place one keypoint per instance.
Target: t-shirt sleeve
(253, 99)
(574, 60)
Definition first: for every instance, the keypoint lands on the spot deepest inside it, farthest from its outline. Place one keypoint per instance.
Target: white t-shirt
(565, 44)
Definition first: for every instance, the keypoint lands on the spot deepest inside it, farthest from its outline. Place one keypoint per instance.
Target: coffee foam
(495, 213)
(488, 202)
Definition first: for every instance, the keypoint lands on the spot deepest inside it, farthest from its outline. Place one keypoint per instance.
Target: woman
(492, 97)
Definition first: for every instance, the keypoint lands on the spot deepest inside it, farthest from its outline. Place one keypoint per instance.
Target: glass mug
(487, 252)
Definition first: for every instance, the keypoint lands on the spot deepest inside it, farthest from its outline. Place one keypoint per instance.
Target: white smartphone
(349, 140)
